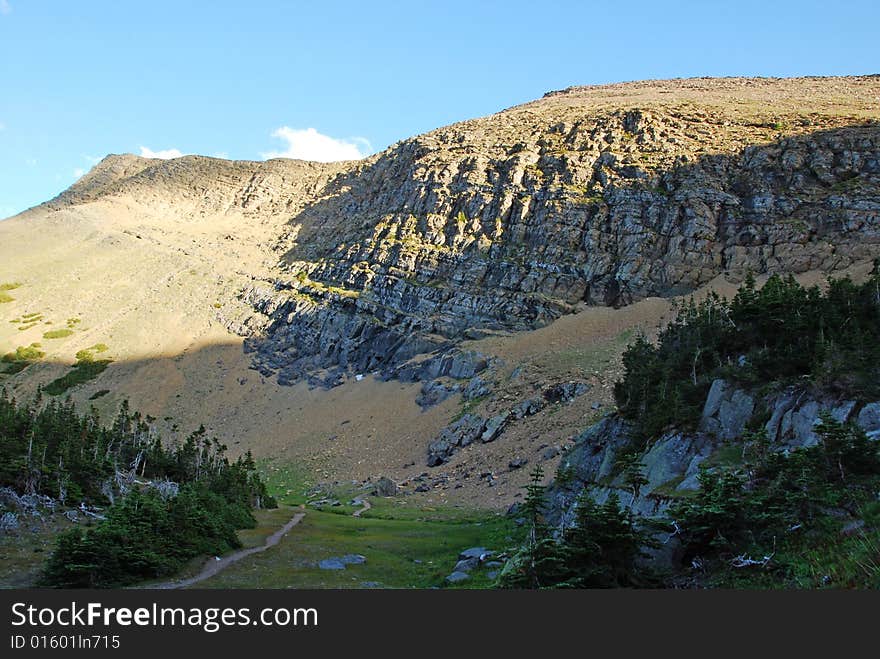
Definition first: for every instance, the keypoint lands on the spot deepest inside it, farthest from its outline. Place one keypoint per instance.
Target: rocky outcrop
(565, 392)
(467, 429)
(509, 222)
(727, 411)
(672, 463)
(456, 435)
(869, 419)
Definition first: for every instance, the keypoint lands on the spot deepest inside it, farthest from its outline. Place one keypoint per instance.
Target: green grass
(8, 286)
(400, 553)
(81, 372)
(728, 455)
(57, 334)
(824, 559)
(23, 553)
(287, 482)
(468, 406)
(669, 490)
(406, 545)
(28, 320)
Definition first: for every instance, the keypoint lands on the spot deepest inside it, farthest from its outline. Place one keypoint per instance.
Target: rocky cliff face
(597, 196)
(508, 222)
(672, 463)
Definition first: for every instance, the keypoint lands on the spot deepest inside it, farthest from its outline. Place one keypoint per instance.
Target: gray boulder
(550, 452)
(528, 407)
(476, 388)
(675, 455)
(794, 416)
(385, 487)
(458, 365)
(802, 422)
(9, 522)
(565, 391)
(439, 451)
(434, 392)
(454, 436)
(494, 428)
(869, 420)
(466, 565)
(843, 411)
(714, 397)
(458, 577)
(726, 411)
(479, 553)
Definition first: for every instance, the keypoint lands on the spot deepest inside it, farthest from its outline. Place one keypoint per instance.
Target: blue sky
(83, 78)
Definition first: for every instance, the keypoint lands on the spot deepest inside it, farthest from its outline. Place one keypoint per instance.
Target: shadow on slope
(398, 257)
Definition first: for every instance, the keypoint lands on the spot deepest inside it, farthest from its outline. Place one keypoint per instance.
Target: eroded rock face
(726, 411)
(671, 463)
(458, 434)
(869, 419)
(468, 428)
(509, 222)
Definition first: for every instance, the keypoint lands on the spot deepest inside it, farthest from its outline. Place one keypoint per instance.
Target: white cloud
(5, 7)
(309, 144)
(164, 154)
(79, 172)
(2, 126)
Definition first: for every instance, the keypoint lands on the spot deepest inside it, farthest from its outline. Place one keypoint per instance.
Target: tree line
(779, 333)
(160, 504)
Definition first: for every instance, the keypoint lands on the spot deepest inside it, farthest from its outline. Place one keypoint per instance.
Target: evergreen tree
(538, 563)
(602, 546)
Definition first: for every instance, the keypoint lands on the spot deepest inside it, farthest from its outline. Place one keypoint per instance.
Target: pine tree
(538, 563)
(602, 546)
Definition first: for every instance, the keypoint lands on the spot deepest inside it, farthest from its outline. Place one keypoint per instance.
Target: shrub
(25, 354)
(57, 334)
